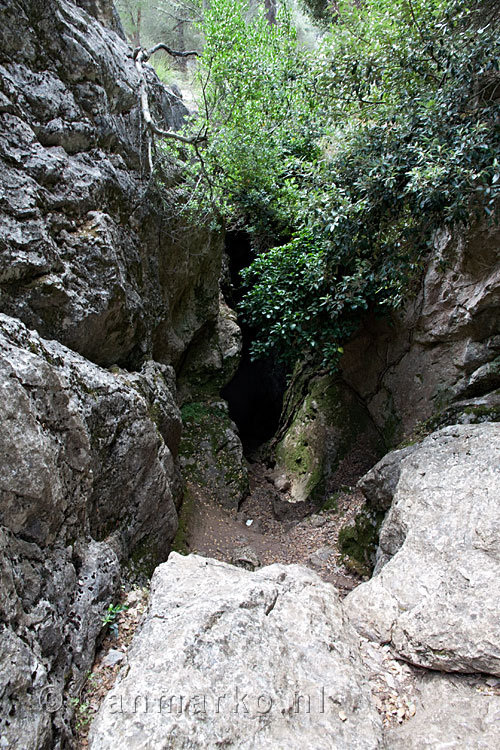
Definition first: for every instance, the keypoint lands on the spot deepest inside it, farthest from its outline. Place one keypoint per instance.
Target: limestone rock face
(88, 479)
(105, 12)
(439, 360)
(323, 423)
(435, 592)
(246, 651)
(379, 484)
(212, 359)
(211, 454)
(442, 353)
(96, 270)
(90, 254)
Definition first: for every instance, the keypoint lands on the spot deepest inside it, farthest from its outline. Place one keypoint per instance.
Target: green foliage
(83, 713)
(331, 503)
(343, 163)
(286, 299)
(411, 137)
(261, 119)
(111, 615)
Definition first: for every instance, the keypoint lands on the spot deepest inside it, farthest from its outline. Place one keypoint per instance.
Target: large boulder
(323, 424)
(211, 453)
(434, 363)
(88, 482)
(451, 713)
(225, 657)
(229, 658)
(435, 593)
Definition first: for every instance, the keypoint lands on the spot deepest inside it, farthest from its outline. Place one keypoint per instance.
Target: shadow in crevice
(255, 398)
(255, 394)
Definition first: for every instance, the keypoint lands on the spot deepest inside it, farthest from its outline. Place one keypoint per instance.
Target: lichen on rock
(323, 423)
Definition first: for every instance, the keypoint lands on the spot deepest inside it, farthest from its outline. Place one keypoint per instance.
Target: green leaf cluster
(110, 618)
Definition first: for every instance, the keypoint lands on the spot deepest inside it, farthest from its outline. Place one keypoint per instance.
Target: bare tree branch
(140, 57)
(169, 50)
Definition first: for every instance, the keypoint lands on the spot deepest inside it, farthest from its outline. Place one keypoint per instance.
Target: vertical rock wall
(440, 357)
(90, 251)
(96, 271)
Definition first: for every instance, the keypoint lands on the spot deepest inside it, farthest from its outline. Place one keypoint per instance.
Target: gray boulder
(211, 453)
(435, 593)
(324, 425)
(379, 484)
(105, 12)
(247, 652)
(88, 481)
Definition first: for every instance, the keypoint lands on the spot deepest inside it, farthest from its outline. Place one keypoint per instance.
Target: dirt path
(253, 536)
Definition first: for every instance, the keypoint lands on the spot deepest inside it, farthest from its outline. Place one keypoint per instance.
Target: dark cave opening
(255, 394)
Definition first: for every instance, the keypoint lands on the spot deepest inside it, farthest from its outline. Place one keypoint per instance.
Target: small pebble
(113, 657)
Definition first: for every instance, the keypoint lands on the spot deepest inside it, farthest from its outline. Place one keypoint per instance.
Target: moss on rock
(180, 543)
(210, 452)
(143, 559)
(327, 421)
(358, 542)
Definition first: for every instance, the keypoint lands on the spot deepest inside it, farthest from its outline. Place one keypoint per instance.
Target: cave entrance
(255, 394)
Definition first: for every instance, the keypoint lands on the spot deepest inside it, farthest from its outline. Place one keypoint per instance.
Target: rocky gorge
(115, 344)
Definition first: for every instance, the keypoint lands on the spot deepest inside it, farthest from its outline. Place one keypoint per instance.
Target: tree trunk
(270, 11)
(181, 44)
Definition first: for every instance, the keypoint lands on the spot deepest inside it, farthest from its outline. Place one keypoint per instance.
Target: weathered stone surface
(243, 646)
(90, 254)
(443, 348)
(437, 363)
(436, 589)
(323, 423)
(113, 657)
(450, 713)
(282, 483)
(87, 481)
(105, 12)
(246, 557)
(78, 431)
(379, 484)
(211, 454)
(212, 359)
